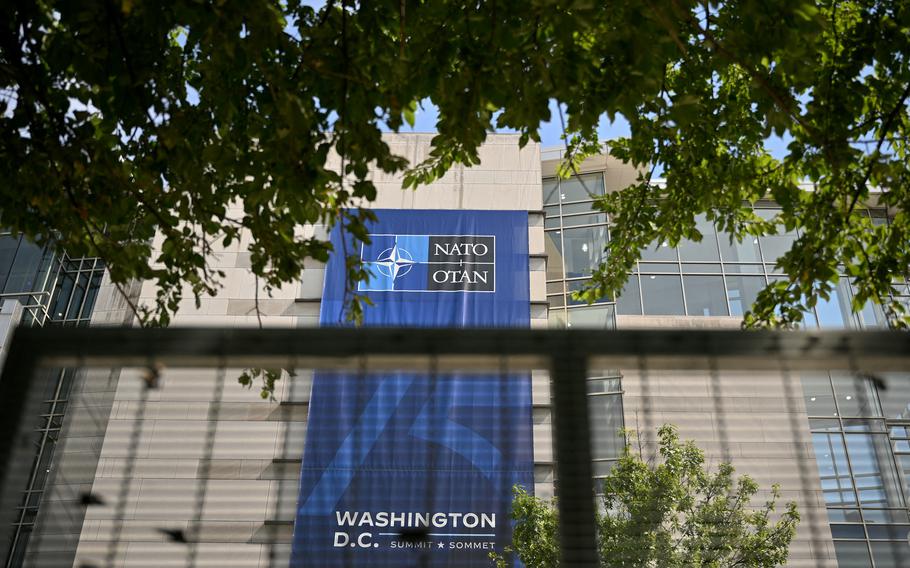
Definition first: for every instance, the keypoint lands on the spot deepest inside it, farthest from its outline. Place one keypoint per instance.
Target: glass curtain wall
(861, 438)
(53, 290)
(860, 431)
(575, 240)
(716, 276)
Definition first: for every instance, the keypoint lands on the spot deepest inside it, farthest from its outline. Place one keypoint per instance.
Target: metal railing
(568, 354)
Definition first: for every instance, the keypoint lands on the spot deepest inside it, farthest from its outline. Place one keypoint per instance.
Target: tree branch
(883, 134)
(762, 81)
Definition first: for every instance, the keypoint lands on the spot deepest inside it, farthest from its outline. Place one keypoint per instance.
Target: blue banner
(416, 469)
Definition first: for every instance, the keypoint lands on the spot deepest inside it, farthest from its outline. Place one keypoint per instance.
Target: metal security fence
(570, 357)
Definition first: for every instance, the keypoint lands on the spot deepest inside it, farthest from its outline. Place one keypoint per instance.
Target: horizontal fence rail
(567, 354)
(482, 349)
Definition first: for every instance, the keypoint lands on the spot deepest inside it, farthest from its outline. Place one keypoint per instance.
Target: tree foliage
(670, 514)
(197, 120)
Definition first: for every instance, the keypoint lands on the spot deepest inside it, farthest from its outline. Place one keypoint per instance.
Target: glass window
(775, 246)
(835, 311)
(819, 395)
(706, 249)
(579, 188)
(662, 295)
(576, 285)
(606, 423)
(742, 292)
(744, 268)
(591, 317)
(62, 296)
(25, 268)
(8, 246)
(823, 424)
(556, 318)
(852, 554)
(588, 219)
(671, 267)
(864, 425)
(844, 515)
(872, 316)
(873, 470)
(705, 295)
(701, 268)
(886, 516)
(848, 531)
(584, 250)
(556, 301)
(78, 295)
(599, 386)
(629, 302)
(659, 251)
(837, 485)
(572, 208)
(903, 461)
(855, 396)
(892, 554)
(736, 251)
(550, 191)
(601, 469)
(895, 398)
(553, 248)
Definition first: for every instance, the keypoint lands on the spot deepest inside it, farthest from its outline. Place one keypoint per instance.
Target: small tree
(669, 514)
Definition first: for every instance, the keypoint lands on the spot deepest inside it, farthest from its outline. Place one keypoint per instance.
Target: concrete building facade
(200, 471)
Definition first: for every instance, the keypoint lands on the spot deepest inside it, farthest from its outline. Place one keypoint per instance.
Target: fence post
(574, 483)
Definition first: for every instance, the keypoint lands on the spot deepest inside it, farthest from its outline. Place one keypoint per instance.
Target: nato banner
(416, 468)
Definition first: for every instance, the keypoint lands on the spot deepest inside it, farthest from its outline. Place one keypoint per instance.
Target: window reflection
(575, 286)
(705, 295)
(852, 554)
(662, 295)
(833, 472)
(629, 302)
(24, 270)
(873, 470)
(556, 319)
(744, 251)
(550, 191)
(855, 395)
(892, 554)
(584, 249)
(895, 399)
(553, 248)
(606, 423)
(659, 251)
(742, 291)
(706, 249)
(587, 219)
(591, 317)
(835, 311)
(584, 187)
(8, 246)
(819, 395)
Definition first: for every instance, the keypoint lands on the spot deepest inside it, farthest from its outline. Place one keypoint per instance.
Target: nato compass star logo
(394, 262)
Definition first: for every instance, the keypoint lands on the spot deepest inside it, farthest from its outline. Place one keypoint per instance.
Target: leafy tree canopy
(122, 119)
(670, 514)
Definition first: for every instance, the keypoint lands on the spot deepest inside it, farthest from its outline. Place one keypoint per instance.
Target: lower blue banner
(416, 469)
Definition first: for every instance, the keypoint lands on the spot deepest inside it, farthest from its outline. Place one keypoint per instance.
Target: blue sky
(551, 132)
